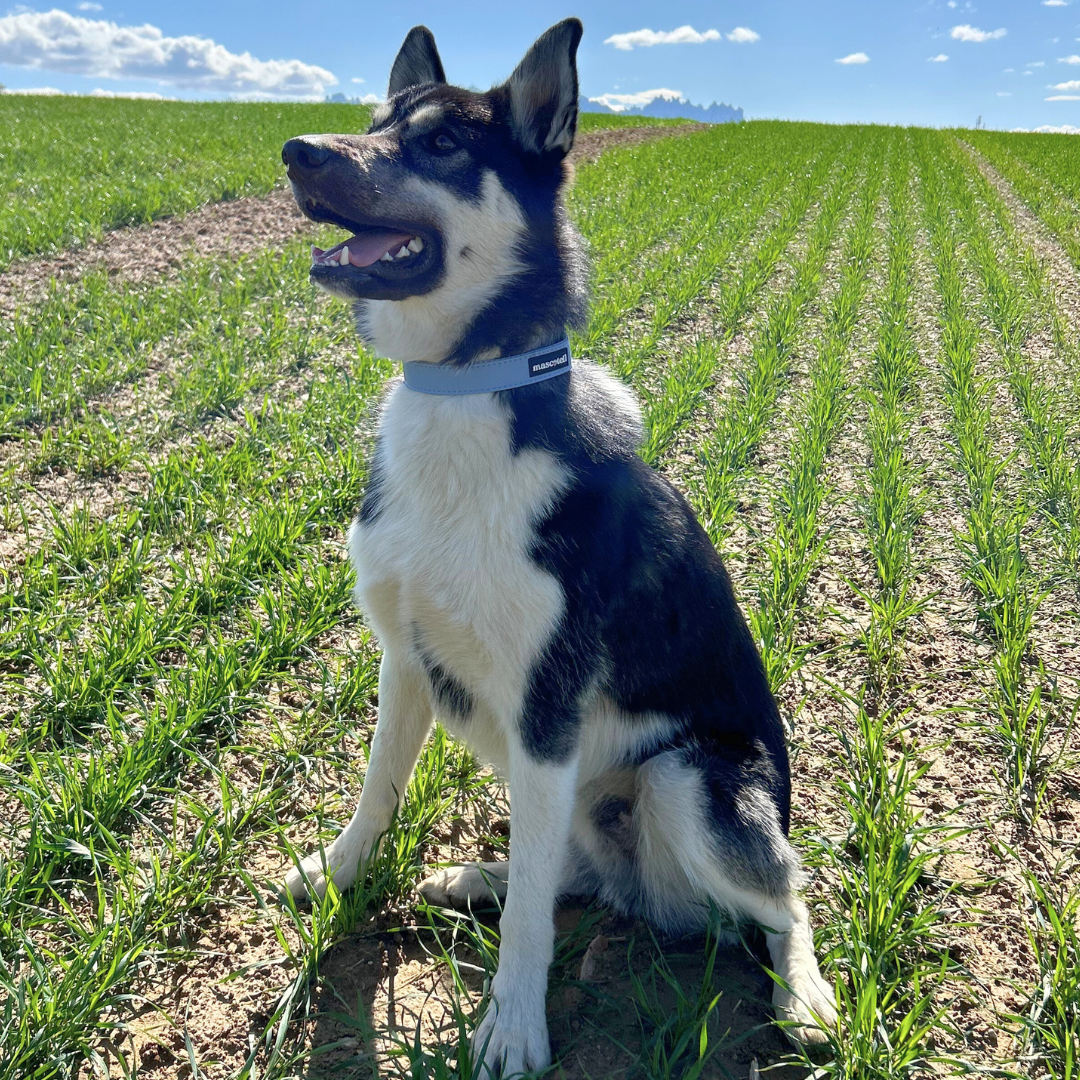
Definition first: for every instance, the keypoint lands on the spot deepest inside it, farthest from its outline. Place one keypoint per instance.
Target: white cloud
(618, 102)
(973, 33)
(44, 91)
(56, 41)
(1004, 93)
(854, 58)
(1055, 3)
(1036, 63)
(939, 59)
(1063, 97)
(1009, 71)
(358, 80)
(86, 5)
(643, 39)
(952, 3)
(1072, 84)
(743, 35)
(138, 95)
(370, 99)
(1049, 129)
(1074, 59)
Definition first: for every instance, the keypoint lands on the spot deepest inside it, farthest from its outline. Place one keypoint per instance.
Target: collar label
(549, 363)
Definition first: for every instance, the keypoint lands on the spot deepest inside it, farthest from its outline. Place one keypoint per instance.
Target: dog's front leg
(512, 1037)
(405, 715)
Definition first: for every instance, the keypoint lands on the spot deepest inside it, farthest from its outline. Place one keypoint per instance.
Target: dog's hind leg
(405, 715)
(709, 834)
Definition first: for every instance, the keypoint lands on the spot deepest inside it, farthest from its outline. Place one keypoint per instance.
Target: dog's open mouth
(381, 260)
(370, 247)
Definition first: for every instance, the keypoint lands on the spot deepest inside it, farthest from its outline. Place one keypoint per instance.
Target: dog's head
(451, 204)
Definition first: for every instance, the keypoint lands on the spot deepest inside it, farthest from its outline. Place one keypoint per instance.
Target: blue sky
(1005, 58)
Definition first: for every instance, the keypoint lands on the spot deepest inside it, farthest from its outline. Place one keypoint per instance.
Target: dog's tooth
(386, 257)
(344, 258)
(403, 252)
(416, 244)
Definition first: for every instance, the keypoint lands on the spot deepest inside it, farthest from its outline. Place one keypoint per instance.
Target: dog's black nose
(304, 155)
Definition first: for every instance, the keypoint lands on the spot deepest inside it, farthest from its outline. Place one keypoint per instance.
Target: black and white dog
(533, 584)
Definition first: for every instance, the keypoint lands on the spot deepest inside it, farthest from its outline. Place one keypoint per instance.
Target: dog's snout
(304, 155)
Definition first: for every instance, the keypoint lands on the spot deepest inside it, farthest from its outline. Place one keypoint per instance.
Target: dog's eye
(442, 143)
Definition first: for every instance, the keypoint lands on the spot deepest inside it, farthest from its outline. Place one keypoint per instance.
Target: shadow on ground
(383, 985)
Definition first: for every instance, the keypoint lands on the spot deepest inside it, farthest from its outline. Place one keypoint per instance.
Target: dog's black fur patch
(651, 618)
(447, 691)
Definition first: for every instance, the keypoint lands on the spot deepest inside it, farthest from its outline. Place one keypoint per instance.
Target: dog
(533, 584)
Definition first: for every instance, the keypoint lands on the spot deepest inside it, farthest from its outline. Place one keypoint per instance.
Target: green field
(861, 366)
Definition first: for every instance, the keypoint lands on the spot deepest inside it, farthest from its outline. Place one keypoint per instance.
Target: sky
(1014, 63)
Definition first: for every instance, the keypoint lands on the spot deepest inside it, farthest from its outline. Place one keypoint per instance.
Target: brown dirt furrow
(236, 227)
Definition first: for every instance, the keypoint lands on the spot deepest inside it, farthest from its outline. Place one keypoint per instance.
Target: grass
(188, 691)
(892, 499)
(73, 167)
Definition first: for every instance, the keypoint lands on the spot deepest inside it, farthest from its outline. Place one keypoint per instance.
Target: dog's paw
(509, 1042)
(309, 880)
(471, 885)
(807, 1009)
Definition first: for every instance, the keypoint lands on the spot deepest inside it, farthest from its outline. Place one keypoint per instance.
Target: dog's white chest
(444, 565)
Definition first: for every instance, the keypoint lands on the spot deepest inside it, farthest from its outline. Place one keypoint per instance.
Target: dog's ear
(544, 91)
(417, 62)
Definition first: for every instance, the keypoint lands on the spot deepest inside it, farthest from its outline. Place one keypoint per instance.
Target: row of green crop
(996, 564)
(793, 545)
(887, 926)
(690, 373)
(892, 503)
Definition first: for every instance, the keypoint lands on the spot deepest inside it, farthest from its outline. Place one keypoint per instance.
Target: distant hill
(669, 108)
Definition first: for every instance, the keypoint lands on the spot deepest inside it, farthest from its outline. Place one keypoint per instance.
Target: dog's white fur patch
(427, 114)
(480, 241)
(449, 549)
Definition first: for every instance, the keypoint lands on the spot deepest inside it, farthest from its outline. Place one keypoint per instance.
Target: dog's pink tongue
(369, 248)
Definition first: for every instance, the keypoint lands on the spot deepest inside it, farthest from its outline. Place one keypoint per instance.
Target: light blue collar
(487, 376)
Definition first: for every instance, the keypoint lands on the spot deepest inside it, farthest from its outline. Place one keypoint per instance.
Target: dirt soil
(237, 227)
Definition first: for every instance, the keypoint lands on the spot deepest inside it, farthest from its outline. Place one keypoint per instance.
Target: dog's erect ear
(417, 62)
(544, 91)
